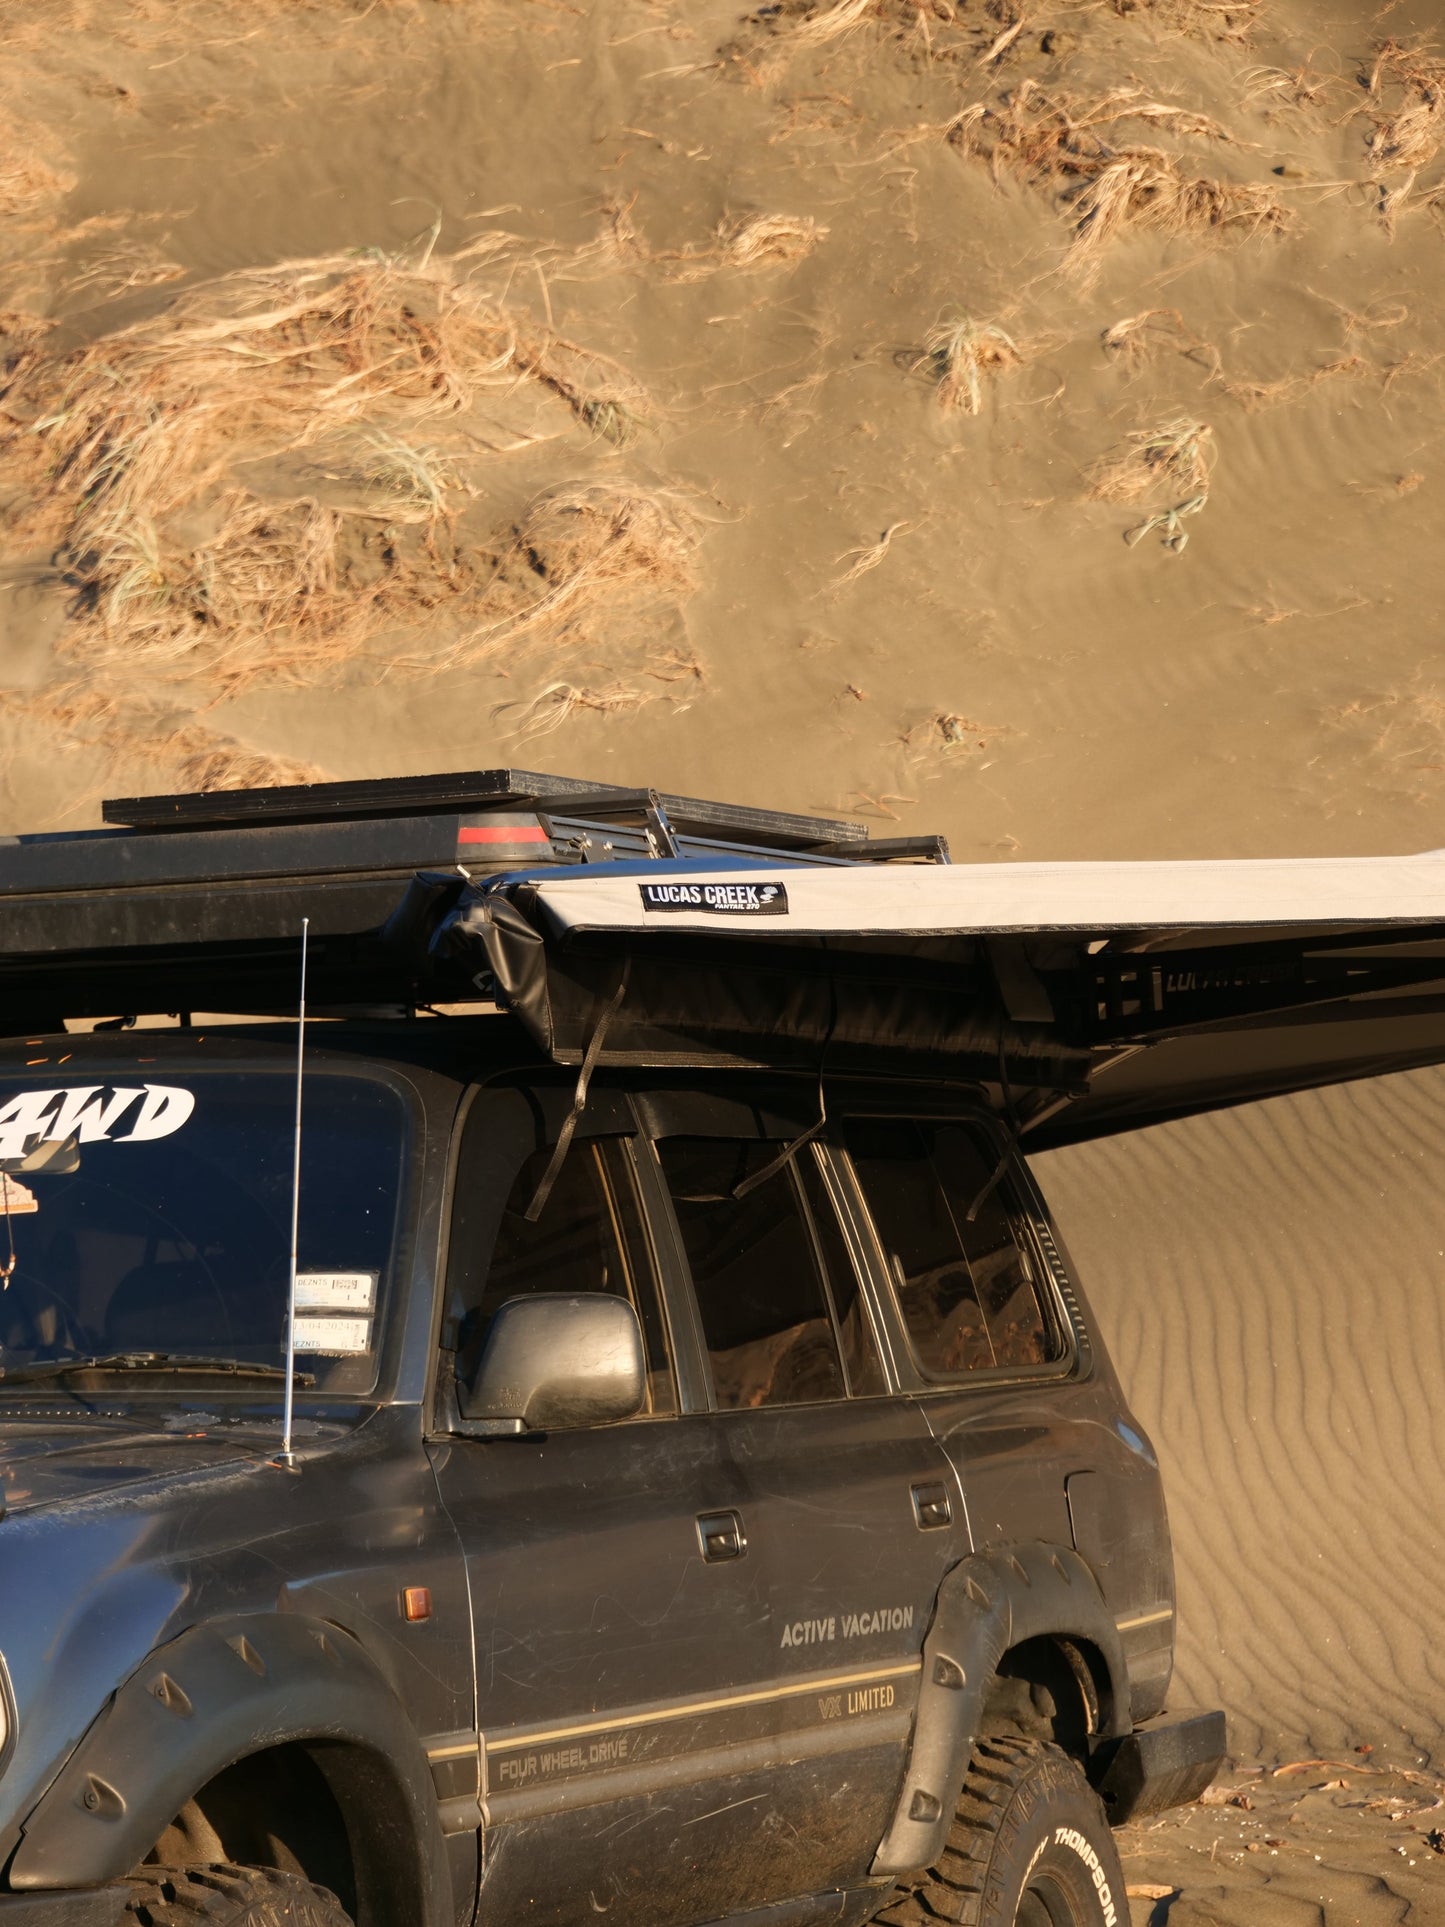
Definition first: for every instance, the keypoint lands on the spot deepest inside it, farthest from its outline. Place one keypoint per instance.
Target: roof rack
(469, 790)
(202, 874)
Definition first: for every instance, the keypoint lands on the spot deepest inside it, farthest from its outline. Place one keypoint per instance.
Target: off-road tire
(224, 1896)
(1029, 1847)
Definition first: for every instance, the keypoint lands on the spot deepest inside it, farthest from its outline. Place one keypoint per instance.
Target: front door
(614, 1617)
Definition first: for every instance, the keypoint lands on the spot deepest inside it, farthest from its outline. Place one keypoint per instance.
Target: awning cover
(998, 898)
(1142, 990)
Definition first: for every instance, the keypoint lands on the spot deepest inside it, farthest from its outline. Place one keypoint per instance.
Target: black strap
(579, 1103)
(1015, 1133)
(791, 1149)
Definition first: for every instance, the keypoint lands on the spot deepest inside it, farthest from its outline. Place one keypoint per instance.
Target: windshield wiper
(144, 1362)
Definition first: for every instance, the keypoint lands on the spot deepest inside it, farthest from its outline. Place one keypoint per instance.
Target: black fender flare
(223, 1690)
(988, 1603)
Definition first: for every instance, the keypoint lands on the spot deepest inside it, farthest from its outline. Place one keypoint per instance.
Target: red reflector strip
(497, 835)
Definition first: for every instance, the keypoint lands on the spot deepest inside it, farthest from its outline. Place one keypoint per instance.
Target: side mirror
(555, 1360)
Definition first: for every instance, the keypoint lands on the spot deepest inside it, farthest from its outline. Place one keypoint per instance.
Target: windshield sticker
(92, 1114)
(15, 1200)
(718, 899)
(335, 1290)
(337, 1337)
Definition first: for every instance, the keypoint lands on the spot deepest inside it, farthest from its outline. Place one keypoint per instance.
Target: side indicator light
(416, 1603)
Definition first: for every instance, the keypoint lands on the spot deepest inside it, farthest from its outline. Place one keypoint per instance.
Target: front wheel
(1029, 1847)
(226, 1896)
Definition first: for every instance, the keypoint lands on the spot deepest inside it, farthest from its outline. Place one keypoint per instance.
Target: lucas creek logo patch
(718, 899)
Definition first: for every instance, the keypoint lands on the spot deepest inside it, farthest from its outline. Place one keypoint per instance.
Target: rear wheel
(1029, 1847)
(226, 1896)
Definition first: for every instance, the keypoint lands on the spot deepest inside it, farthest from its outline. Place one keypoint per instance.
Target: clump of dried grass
(552, 706)
(821, 25)
(1208, 19)
(122, 270)
(1033, 130)
(28, 183)
(1176, 457)
(1069, 146)
(126, 726)
(745, 242)
(577, 550)
(1167, 466)
(1135, 338)
(960, 352)
(864, 560)
(1271, 87)
(1147, 189)
(948, 733)
(1170, 524)
(203, 760)
(130, 443)
(1253, 395)
(760, 240)
(926, 30)
(411, 478)
(1406, 86)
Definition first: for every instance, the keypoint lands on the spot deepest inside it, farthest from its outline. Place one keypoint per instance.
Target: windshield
(155, 1217)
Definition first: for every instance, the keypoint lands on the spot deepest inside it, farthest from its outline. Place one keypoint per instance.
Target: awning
(1140, 990)
(998, 898)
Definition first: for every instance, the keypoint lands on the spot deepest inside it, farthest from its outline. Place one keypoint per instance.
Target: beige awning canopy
(1135, 991)
(978, 899)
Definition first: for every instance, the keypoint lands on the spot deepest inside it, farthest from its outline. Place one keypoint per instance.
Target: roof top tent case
(635, 927)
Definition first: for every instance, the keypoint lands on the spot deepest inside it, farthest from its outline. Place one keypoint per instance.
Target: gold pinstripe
(680, 1710)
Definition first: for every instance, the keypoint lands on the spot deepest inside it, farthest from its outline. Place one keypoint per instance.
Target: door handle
(931, 1507)
(721, 1536)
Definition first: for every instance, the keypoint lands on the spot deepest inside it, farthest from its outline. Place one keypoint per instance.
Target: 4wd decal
(93, 1113)
(718, 899)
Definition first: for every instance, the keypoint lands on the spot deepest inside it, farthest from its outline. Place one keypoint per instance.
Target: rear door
(852, 1513)
(976, 1316)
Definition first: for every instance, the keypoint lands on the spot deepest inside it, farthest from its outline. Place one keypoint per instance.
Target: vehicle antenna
(286, 1454)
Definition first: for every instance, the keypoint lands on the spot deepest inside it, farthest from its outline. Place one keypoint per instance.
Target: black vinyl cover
(728, 1002)
(1219, 1066)
(931, 1007)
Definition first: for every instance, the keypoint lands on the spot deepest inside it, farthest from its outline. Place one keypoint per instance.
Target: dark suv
(709, 1497)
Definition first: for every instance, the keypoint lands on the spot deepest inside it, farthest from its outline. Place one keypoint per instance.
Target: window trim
(856, 1235)
(912, 1373)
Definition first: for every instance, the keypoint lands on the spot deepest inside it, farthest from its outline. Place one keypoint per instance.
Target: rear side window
(968, 1291)
(756, 1271)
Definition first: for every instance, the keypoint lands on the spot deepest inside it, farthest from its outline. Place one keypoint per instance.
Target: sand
(1269, 1282)
(1007, 667)
(1016, 419)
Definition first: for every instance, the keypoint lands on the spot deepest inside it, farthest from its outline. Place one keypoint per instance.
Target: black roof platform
(468, 791)
(198, 889)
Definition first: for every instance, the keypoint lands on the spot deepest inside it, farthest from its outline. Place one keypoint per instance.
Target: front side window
(172, 1234)
(756, 1272)
(967, 1288)
(588, 1237)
